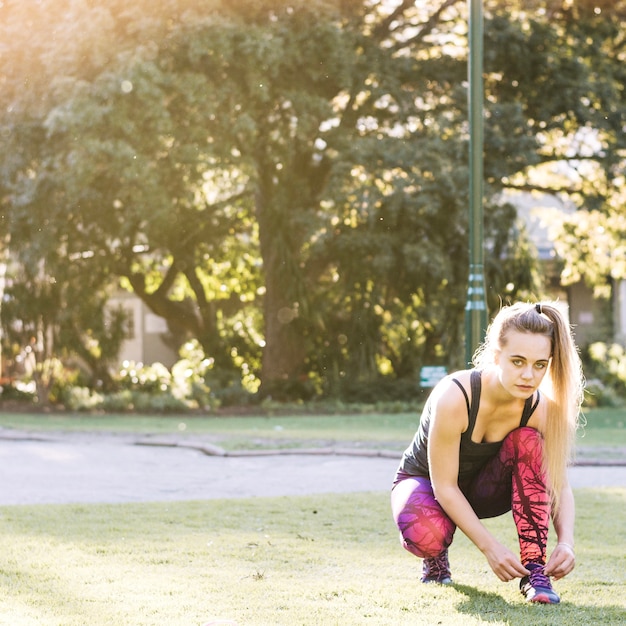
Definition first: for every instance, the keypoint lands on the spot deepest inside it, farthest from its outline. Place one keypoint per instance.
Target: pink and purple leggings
(512, 481)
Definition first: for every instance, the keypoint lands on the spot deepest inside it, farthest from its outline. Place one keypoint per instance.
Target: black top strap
(460, 386)
(476, 386)
(529, 409)
(472, 410)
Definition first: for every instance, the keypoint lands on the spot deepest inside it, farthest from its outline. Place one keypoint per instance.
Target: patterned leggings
(511, 481)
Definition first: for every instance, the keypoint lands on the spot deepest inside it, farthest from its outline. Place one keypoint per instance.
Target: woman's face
(523, 362)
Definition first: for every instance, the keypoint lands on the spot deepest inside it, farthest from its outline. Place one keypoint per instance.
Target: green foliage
(380, 392)
(274, 425)
(287, 185)
(598, 394)
(154, 378)
(605, 366)
(191, 384)
(82, 399)
(19, 392)
(562, 66)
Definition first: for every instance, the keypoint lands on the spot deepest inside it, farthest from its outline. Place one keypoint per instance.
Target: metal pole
(476, 307)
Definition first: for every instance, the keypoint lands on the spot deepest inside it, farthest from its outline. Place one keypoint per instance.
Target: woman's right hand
(504, 563)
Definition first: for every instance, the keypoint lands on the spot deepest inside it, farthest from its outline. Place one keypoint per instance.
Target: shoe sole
(544, 599)
(444, 581)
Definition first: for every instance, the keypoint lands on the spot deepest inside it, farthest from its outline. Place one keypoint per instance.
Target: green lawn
(310, 560)
(605, 428)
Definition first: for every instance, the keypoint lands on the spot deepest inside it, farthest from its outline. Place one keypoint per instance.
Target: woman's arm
(563, 559)
(448, 422)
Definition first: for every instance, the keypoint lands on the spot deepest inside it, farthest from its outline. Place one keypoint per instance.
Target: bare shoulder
(449, 408)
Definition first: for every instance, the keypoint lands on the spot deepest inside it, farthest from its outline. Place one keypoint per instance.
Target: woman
(493, 439)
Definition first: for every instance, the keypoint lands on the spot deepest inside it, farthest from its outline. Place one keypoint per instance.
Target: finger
(516, 570)
(559, 563)
(520, 571)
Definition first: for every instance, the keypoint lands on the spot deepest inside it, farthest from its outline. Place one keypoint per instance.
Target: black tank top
(472, 455)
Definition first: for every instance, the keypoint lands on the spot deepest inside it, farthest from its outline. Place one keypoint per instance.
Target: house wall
(590, 317)
(146, 342)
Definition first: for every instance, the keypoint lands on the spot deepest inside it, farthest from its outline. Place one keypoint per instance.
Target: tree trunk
(284, 351)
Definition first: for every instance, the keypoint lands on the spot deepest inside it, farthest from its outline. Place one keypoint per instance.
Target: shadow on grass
(492, 607)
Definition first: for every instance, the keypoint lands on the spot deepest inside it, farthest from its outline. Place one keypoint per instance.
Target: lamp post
(476, 305)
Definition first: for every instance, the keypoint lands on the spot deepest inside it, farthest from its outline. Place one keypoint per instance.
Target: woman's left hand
(561, 562)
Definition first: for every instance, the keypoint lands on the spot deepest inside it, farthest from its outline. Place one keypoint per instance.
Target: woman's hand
(504, 563)
(561, 562)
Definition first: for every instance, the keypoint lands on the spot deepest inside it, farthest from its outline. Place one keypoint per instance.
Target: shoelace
(438, 565)
(539, 579)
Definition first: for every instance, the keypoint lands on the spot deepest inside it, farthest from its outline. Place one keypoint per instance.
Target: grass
(368, 426)
(605, 428)
(310, 560)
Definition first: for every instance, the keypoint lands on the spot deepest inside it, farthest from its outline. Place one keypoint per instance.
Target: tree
(274, 109)
(292, 179)
(565, 75)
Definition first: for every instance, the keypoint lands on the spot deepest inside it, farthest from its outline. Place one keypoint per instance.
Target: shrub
(382, 390)
(118, 401)
(605, 367)
(18, 391)
(82, 399)
(598, 394)
(155, 378)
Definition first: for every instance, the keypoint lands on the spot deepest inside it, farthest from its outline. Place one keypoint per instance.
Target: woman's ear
(496, 356)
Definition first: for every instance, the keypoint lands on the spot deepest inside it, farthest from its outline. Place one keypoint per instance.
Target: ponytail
(564, 389)
(563, 385)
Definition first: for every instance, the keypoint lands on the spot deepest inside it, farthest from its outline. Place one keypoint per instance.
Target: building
(147, 333)
(592, 319)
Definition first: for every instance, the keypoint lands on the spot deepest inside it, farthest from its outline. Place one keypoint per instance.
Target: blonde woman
(493, 439)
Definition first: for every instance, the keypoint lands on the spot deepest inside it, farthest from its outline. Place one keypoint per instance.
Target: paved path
(94, 468)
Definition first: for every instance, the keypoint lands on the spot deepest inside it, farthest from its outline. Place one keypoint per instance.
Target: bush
(288, 390)
(597, 394)
(605, 368)
(233, 394)
(82, 399)
(380, 391)
(143, 402)
(18, 391)
(118, 401)
(65, 385)
(147, 402)
(155, 378)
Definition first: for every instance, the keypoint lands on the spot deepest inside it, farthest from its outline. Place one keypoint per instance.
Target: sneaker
(537, 587)
(437, 570)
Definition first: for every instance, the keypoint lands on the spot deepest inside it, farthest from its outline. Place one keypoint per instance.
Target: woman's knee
(425, 531)
(421, 547)
(525, 438)
(524, 448)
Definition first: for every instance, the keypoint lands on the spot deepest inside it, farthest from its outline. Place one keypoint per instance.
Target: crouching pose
(493, 439)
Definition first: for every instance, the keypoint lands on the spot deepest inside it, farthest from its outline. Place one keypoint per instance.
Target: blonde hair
(563, 384)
